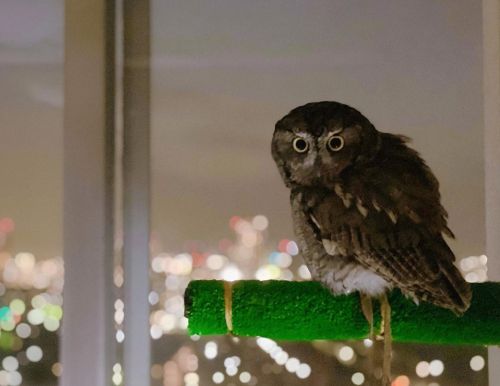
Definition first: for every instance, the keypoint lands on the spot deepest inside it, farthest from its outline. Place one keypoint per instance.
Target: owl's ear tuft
(403, 138)
(370, 145)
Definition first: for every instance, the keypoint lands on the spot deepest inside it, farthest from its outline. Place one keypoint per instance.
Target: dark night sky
(223, 73)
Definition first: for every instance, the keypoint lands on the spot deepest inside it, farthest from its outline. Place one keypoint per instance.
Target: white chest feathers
(343, 276)
(353, 277)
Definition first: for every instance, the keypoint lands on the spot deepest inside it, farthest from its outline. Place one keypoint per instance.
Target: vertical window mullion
(87, 344)
(136, 190)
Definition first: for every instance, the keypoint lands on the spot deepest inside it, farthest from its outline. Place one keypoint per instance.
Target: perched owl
(366, 208)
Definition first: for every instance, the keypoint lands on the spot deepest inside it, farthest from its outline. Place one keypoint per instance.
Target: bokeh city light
(31, 311)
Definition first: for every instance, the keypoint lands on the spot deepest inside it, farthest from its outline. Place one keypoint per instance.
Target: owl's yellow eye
(300, 145)
(335, 143)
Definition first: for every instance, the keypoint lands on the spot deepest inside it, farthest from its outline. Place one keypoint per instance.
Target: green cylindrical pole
(307, 311)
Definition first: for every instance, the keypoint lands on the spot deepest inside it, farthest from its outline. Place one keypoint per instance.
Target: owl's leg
(385, 309)
(367, 308)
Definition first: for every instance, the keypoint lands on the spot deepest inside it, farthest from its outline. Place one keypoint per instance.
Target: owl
(366, 209)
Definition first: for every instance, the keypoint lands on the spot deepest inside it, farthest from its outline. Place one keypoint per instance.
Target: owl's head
(315, 144)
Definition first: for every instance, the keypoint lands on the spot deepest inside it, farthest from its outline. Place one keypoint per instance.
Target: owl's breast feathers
(387, 216)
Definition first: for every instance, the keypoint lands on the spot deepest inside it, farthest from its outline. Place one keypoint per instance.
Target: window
(201, 107)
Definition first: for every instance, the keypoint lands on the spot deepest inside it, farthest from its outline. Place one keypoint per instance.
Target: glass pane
(223, 73)
(31, 270)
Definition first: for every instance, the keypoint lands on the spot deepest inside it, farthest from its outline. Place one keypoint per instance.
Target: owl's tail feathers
(448, 290)
(446, 287)
(458, 291)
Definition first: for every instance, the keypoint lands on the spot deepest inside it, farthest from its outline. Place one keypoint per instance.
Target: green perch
(305, 310)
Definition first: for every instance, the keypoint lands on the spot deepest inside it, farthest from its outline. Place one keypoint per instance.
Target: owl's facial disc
(318, 143)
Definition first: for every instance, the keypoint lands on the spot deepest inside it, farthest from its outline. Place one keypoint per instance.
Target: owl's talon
(386, 381)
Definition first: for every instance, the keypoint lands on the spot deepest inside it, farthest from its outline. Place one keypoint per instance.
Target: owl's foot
(385, 309)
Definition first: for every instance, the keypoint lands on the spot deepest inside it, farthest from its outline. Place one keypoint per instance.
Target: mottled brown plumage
(366, 207)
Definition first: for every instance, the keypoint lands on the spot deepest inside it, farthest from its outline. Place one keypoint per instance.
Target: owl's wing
(406, 255)
(394, 227)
